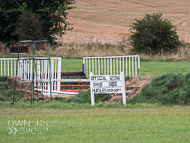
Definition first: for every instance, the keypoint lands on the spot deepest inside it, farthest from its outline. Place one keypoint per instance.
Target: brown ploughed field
(108, 21)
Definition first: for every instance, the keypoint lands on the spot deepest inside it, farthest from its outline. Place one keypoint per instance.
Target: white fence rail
(114, 65)
(8, 66)
(41, 70)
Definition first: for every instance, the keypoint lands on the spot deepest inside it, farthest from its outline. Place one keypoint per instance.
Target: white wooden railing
(41, 70)
(8, 67)
(113, 65)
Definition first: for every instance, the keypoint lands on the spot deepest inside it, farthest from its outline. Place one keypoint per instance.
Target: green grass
(158, 125)
(147, 68)
(71, 65)
(157, 68)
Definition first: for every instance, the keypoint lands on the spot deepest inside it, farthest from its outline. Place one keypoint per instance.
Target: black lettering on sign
(103, 90)
(117, 90)
(101, 78)
(96, 90)
(93, 77)
(109, 90)
(112, 84)
(114, 77)
(97, 84)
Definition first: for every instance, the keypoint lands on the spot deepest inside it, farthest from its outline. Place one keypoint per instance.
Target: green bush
(3, 85)
(166, 89)
(8, 95)
(3, 78)
(76, 100)
(137, 99)
(85, 97)
(153, 35)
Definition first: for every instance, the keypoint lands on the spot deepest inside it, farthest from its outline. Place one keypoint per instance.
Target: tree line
(33, 19)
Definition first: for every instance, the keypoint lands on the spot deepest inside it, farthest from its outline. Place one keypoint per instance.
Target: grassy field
(158, 125)
(147, 68)
(72, 122)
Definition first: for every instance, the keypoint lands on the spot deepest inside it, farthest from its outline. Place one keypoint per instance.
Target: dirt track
(107, 21)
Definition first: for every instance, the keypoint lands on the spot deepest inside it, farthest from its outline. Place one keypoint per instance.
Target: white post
(126, 66)
(114, 66)
(45, 74)
(1, 68)
(105, 66)
(102, 71)
(8, 67)
(132, 67)
(92, 94)
(123, 66)
(28, 62)
(38, 72)
(87, 67)
(48, 71)
(12, 69)
(129, 67)
(24, 64)
(117, 66)
(15, 67)
(135, 66)
(31, 72)
(98, 66)
(92, 65)
(59, 75)
(4, 67)
(52, 74)
(95, 66)
(123, 88)
(108, 65)
(21, 69)
(138, 66)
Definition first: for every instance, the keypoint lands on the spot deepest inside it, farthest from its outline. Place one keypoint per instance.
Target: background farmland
(108, 21)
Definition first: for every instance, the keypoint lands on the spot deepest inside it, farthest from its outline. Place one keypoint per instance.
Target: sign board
(107, 84)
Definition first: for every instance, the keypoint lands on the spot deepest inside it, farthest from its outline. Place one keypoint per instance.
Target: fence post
(138, 66)
(92, 94)
(123, 88)
(59, 75)
(83, 68)
(21, 69)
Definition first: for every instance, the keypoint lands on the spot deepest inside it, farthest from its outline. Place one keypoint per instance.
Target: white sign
(107, 84)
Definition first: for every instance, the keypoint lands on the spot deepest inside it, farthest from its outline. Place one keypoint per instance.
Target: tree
(53, 16)
(9, 11)
(29, 26)
(153, 34)
(51, 13)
